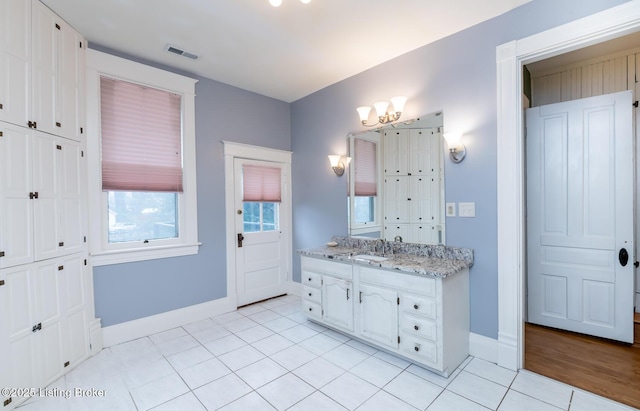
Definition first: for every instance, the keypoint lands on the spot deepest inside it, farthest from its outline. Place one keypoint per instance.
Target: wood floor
(604, 367)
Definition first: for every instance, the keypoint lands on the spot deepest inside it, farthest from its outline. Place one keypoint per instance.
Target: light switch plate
(451, 210)
(467, 209)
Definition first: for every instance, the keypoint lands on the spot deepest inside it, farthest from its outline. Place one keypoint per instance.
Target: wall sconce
(337, 163)
(457, 150)
(384, 116)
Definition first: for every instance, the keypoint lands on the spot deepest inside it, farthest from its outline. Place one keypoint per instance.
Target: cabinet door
(424, 151)
(378, 309)
(396, 152)
(71, 228)
(422, 199)
(73, 298)
(68, 90)
(16, 209)
(337, 302)
(15, 60)
(44, 67)
(45, 181)
(396, 199)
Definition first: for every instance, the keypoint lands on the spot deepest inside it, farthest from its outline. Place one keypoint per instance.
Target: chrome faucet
(379, 247)
(397, 239)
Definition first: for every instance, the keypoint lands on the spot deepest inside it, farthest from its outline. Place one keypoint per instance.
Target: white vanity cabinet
(422, 318)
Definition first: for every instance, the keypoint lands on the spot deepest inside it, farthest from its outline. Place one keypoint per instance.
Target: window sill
(366, 229)
(132, 255)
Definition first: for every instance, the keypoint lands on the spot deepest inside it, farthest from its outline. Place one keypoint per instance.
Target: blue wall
(125, 292)
(456, 75)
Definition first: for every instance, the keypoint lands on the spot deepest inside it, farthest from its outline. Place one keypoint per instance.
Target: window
(141, 146)
(363, 183)
(261, 197)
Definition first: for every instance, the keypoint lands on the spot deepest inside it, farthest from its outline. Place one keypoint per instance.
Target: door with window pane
(260, 254)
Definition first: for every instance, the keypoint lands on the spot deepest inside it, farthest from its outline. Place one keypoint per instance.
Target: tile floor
(268, 357)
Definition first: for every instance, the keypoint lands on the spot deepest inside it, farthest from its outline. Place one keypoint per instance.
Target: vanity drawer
(418, 326)
(418, 348)
(311, 310)
(311, 279)
(311, 294)
(333, 268)
(416, 304)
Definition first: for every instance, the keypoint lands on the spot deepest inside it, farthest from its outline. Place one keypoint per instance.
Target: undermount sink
(369, 257)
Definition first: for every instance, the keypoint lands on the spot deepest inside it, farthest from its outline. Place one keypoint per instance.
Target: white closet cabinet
(44, 325)
(40, 196)
(41, 70)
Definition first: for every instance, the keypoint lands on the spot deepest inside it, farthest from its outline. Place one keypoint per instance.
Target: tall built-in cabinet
(413, 185)
(45, 285)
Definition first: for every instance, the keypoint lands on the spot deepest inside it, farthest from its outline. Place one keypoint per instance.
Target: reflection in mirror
(396, 177)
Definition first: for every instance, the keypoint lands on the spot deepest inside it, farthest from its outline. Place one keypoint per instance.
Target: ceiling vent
(175, 50)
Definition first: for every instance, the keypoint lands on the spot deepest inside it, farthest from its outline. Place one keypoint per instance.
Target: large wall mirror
(396, 182)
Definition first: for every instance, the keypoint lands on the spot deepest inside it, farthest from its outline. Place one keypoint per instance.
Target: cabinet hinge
(1, 106)
(398, 300)
(81, 130)
(1, 253)
(66, 364)
(1, 283)
(32, 124)
(61, 244)
(58, 124)
(33, 195)
(7, 402)
(1, 134)
(80, 44)
(60, 267)
(84, 239)
(58, 147)
(57, 26)
(398, 339)
(81, 153)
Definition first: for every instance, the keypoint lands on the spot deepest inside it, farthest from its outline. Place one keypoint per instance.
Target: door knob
(623, 257)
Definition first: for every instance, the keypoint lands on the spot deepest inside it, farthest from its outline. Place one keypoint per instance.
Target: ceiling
(287, 52)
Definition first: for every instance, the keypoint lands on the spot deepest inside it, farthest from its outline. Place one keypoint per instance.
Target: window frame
(105, 253)
(375, 225)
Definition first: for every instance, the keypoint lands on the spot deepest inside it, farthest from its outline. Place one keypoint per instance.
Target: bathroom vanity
(407, 299)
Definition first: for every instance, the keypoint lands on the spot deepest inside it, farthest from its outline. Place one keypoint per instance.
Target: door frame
(231, 151)
(510, 60)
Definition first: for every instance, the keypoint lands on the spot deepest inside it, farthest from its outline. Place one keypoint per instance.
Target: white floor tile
(167, 335)
(448, 401)
(224, 345)
(241, 357)
(250, 402)
(542, 388)
(490, 371)
(264, 316)
(276, 302)
(297, 317)
(317, 402)
(431, 376)
(200, 325)
(382, 401)
(392, 359)
(293, 357)
(413, 390)
(134, 350)
(478, 389)
(254, 334)
(222, 391)
(186, 402)
(345, 356)
(585, 401)
(337, 336)
(349, 391)
(315, 326)
(158, 392)
(272, 344)
(280, 324)
(286, 309)
(240, 324)
(376, 371)
(188, 358)
(251, 309)
(318, 372)
(261, 372)
(210, 334)
(203, 373)
(320, 344)
(298, 333)
(177, 345)
(285, 391)
(144, 372)
(225, 318)
(515, 401)
(366, 348)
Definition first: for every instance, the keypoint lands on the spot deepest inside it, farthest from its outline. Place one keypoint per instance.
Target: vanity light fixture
(457, 150)
(277, 3)
(338, 163)
(384, 116)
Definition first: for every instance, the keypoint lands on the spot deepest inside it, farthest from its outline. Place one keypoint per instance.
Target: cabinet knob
(309, 294)
(309, 279)
(310, 309)
(415, 306)
(416, 348)
(415, 327)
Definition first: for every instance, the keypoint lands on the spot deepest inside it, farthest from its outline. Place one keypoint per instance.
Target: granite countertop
(417, 259)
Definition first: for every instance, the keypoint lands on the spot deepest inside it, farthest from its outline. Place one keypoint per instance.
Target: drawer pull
(415, 327)
(416, 348)
(415, 306)
(310, 309)
(309, 279)
(309, 294)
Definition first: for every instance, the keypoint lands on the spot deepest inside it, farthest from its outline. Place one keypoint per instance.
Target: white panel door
(261, 255)
(15, 61)
(580, 216)
(337, 302)
(46, 216)
(378, 314)
(16, 208)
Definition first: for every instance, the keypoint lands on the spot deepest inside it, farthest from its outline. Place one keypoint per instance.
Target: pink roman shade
(141, 138)
(261, 184)
(365, 179)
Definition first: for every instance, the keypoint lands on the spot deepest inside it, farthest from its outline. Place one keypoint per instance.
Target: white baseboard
(638, 302)
(131, 330)
(95, 337)
(483, 347)
(295, 288)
